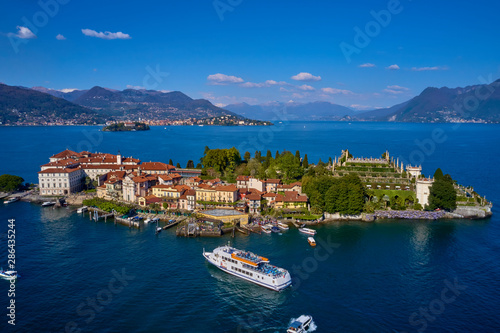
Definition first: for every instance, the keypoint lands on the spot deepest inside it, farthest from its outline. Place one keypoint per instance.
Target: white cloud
(267, 83)
(393, 67)
(396, 87)
(367, 65)
(334, 91)
(223, 79)
(306, 77)
(60, 37)
(435, 68)
(135, 87)
(392, 91)
(252, 85)
(305, 87)
(23, 33)
(105, 35)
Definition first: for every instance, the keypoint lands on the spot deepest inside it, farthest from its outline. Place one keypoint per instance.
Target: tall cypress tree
(305, 162)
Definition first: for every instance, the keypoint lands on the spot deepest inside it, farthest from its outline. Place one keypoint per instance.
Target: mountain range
(39, 105)
(478, 103)
(145, 104)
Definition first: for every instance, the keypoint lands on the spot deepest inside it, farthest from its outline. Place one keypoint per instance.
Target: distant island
(126, 127)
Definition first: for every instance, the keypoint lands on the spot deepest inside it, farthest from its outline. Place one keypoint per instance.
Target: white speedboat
(307, 231)
(300, 325)
(48, 203)
(249, 266)
(82, 209)
(311, 241)
(11, 200)
(147, 220)
(283, 226)
(158, 230)
(9, 275)
(266, 228)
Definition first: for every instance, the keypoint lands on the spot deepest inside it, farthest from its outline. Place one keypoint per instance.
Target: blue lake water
(372, 277)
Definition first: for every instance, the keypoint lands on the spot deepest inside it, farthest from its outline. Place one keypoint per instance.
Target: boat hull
(244, 277)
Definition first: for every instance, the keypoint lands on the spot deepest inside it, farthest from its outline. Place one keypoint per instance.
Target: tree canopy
(442, 193)
(10, 183)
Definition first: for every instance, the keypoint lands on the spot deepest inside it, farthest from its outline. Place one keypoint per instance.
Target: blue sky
(255, 51)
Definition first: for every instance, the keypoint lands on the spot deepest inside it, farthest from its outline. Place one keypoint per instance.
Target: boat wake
(312, 326)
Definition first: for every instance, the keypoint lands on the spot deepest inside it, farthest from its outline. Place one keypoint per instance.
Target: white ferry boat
(249, 266)
(307, 231)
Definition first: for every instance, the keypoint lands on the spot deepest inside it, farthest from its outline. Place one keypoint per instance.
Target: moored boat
(82, 209)
(311, 241)
(48, 203)
(300, 325)
(266, 228)
(283, 226)
(275, 229)
(11, 200)
(307, 231)
(147, 220)
(249, 266)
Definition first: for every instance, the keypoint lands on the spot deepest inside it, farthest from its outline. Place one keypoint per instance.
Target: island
(227, 189)
(126, 127)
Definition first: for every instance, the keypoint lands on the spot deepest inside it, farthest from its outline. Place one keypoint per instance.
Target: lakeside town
(226, 189)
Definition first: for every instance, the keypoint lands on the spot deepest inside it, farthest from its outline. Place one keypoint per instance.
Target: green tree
(199, 166)
(10, 183)
(442, 194)
(247, 156)
(305, 162)
(438, 174)
(190, 164)
(178, 165)
(277, 155)
(297, 155)
(170, 162)
(206, 150)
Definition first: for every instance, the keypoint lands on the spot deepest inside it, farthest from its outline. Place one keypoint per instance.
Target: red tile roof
(55, 170)
(253, 196)
(66, 153)
(227, 188)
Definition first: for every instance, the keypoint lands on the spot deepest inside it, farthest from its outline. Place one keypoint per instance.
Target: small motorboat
(311, 241)
(307, 231)
(300, 325)
(158, 230)
(147, 220)
(266, 228)
(11, 200)
(82, 209)
(9, 275)
(48, 203)
(283, 226)
(275, 229)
